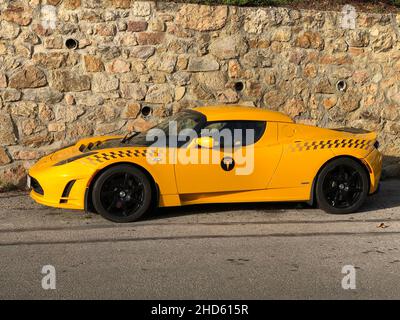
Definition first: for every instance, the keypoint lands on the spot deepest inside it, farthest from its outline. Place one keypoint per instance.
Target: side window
(234, 133)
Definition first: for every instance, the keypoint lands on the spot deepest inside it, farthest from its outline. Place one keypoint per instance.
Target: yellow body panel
(266, 151)
(287, 160)
(222, 112)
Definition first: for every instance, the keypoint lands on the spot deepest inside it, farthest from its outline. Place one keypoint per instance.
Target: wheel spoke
(336, 198)
(353, 177)
(107, 193)
(341, 172)
(126, 180)
(113, 203)
(124, 209)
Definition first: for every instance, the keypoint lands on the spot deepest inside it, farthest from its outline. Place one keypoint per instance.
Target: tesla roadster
(217, 154)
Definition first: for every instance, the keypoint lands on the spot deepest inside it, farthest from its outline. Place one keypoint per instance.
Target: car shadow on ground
(267, 207)
(387, 197)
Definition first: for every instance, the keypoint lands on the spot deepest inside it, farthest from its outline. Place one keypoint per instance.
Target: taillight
(376, 144)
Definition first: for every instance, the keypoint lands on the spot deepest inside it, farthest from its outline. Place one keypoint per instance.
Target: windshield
(183, 120)
(171, 127)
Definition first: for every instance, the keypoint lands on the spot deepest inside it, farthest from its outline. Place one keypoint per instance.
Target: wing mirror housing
(205, 142)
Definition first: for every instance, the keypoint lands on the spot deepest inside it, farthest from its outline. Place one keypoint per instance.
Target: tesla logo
(227, 163)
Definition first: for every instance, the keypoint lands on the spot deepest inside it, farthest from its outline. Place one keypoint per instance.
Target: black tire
(342, 186)
(122, 194)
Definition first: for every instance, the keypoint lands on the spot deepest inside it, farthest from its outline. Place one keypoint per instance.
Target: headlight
(79, 156)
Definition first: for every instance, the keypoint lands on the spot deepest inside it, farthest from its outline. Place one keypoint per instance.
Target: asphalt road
(254, 251)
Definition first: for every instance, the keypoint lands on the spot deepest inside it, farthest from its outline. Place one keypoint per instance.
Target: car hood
(96, 144)
(82, 147)
(86, 146)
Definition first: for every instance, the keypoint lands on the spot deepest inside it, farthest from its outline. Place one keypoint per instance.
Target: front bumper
(33, 184)
(60, 186)
(55, 198)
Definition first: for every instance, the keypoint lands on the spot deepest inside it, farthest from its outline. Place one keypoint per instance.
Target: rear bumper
(374, 162)
(377, 190)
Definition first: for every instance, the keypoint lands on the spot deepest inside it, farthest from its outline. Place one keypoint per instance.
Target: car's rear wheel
(122, 194)
(342, 186)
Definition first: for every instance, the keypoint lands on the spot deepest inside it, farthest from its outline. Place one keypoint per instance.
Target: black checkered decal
(329, 144)
(105, 156)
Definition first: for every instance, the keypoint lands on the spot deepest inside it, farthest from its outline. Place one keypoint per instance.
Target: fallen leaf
(383, 226)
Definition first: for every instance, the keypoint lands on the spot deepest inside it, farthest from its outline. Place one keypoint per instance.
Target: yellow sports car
(216, 154)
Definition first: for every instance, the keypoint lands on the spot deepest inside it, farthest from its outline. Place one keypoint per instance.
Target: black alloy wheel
(342, 186)
(122, 194)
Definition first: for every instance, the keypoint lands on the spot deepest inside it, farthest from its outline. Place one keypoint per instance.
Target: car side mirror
(205, 142)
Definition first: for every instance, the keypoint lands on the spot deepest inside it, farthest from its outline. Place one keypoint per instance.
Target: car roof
(224, 112)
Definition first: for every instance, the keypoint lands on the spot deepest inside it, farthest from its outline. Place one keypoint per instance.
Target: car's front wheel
(342, 186)
(122, 194)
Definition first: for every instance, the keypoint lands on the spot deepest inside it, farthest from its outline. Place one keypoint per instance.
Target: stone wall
(75, 68)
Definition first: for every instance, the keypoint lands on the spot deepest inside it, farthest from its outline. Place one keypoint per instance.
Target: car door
(243, 161)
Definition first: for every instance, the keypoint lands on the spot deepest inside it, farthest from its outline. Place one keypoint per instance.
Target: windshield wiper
(129, 136)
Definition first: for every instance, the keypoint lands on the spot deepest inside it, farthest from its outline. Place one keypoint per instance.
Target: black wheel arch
(311, 202)
(88, 204)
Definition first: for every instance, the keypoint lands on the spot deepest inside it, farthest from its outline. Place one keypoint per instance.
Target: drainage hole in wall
(341, 85)
(146, 111)
(71, 43)
(239, 86)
